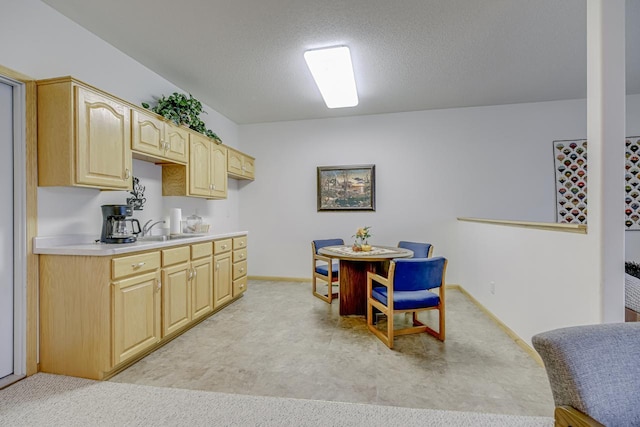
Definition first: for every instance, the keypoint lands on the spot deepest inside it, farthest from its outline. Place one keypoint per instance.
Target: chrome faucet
(146, 229)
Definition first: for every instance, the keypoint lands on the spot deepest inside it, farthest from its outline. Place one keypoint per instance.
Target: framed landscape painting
(347, 188)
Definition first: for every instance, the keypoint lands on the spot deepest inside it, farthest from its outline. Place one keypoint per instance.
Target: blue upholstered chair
(324, 269)
(408, 288)
(420, 250)
(594, 372)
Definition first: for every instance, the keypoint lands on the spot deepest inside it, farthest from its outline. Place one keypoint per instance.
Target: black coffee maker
(116, 227)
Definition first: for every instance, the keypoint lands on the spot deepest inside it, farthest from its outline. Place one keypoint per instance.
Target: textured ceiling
(244, 58)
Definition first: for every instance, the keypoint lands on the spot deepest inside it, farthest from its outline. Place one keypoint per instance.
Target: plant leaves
(183, 111)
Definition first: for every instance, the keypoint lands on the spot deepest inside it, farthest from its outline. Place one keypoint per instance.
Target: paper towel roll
(175, 221)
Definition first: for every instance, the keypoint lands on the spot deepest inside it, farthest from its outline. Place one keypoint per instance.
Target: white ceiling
(244, 58)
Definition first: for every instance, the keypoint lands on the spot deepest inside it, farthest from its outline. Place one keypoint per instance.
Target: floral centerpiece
(362, 236)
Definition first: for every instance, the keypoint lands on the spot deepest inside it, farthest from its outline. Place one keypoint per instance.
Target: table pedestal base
(353, 284)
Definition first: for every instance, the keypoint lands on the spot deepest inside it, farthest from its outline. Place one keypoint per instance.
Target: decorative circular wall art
(570, 160)
(632, 183)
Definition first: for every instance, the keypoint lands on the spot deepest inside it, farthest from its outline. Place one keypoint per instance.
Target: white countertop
(85, 245)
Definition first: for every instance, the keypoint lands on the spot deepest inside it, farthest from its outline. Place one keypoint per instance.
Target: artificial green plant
(183, 111)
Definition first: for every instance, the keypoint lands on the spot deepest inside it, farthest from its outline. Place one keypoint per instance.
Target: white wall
(543, 279)
(41, 43)
(431, 167)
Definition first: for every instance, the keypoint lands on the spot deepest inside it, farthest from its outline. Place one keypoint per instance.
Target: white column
(605, 134)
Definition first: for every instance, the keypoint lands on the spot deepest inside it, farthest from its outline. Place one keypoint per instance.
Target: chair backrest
(420, 250)
(317, 244)
(595, 369)
(413, 274)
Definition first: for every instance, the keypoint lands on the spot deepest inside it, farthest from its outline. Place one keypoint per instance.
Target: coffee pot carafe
(116, 226)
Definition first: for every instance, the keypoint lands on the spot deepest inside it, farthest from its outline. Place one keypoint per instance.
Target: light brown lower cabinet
(136, 315)
(222, 291)
(100, 314)
(176, 290)
(239, 265)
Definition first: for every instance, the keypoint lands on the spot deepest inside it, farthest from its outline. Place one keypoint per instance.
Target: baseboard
(522, 343)
(279, 279)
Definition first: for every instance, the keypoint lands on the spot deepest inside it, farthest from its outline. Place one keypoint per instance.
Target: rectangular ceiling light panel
(333, 72)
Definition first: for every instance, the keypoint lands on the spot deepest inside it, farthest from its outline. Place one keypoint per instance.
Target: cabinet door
(177, 145)
(202, 287)
(148, 133)
(136, 315)
(222, 289)
(248, 168)
(218, 171)
(176, 298)
(234, 163)
(199, 166)
(103, 141)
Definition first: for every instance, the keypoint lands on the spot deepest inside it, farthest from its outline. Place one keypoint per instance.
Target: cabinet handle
(241, 256)
(127, 174)
(159, 285)
(224, 246)
(190, 274)
(242, 270)
(195, 273)
(217, 266)
(138, 265)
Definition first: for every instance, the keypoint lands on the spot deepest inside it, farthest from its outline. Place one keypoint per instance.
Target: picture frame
(346, 188)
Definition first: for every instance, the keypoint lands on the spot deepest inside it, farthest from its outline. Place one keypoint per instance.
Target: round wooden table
(353, 272)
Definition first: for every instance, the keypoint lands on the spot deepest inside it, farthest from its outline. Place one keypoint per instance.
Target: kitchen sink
(164, 238)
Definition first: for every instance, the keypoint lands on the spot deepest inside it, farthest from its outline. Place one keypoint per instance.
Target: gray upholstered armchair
(594, 372)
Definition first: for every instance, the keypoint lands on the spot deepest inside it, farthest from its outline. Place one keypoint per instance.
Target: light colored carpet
(53, 400)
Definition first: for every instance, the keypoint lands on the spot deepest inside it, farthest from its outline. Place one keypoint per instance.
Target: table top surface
(377, 253)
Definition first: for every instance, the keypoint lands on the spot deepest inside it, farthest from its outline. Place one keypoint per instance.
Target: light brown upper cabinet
(84, 136)
(206, 173)
(219, 171)
(240, 165)
(156, 138)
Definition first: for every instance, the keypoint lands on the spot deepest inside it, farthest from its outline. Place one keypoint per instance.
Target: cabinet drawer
(239, 286)
(201, 250)
(134, 264)
(239, 255)
(239, 269)
(221, 246)
(240, 242)
(175, 255)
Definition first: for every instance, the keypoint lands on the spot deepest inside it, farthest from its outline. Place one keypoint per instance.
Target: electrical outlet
(492, 288)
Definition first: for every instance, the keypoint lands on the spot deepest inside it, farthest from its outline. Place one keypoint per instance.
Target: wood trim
(31, 178)
(526, 347)
(630, 315)
(32, 225)
(549, 226)
(567, 416)
(15, 75)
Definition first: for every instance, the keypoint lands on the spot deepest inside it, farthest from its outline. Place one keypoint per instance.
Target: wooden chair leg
(442, 322)
(390, 329)
(314, 289)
